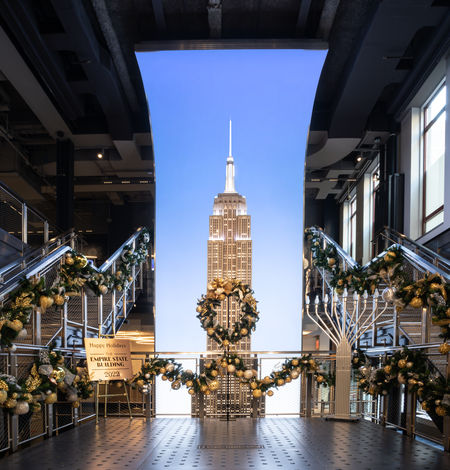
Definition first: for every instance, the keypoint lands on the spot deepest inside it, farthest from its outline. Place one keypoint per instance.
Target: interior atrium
(80, 364)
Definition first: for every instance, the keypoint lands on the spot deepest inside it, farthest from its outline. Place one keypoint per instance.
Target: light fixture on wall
(359, 158)
(101, 154)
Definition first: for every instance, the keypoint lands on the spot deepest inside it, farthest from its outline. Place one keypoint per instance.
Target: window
(350, 226)
(433, 142)
(374, 185)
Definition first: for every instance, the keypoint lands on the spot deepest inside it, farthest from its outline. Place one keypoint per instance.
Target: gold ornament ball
(3, 396)
(225, 342)
(444, 348)
(203, 388)
(208, 365)
(294, 374)
(244, 331)
(52, 398)
(140, 383)
(257, 392)
(76, 404)
(267, 380)
(207, 391)
(191, 391)
(402, 363)
(319, 379)
(240, 373)
(231, 368)
(237, 361)
(214, 373)
(248, 374)
(270, 393)
(416, 302)
(214, 385)
(387, 369)
(59, 299)
(440, 411)
(294, 362)
(288, 379)
(210, 331)
(164, 377)
(189, 383)
(280, 382)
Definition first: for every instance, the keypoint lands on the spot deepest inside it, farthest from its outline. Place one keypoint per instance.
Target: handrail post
(396, 324)
(84, 313)
(45, 231)
(37, 338)
(425, 327)
(446, 427)
(100, 315)
(24, 223)
(64, 325)
(113, 302)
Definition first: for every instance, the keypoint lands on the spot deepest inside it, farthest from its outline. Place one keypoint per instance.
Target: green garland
(208, 380)
(408, 367)
(49, 381)
(74, 274)
(219, 290)
(430, 291)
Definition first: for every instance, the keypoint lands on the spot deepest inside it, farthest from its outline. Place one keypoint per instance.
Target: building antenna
(230, 139)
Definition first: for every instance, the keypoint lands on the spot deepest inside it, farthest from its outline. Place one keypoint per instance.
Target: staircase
(410, 327)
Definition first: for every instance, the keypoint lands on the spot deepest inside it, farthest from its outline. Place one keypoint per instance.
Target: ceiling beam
(302, 18)
(327, 19)
(215, 18)
(158, 12)
(235, 44)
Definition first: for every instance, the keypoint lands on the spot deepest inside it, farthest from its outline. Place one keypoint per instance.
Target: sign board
(108, 359)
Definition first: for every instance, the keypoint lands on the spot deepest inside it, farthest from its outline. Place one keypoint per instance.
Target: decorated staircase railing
(413, 309)
(65, 298)
(389, 236)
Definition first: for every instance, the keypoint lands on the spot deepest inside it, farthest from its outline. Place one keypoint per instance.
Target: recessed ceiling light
(358, 158)
(99, 155)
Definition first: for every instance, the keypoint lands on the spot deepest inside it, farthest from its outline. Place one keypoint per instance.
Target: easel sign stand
(108, 359)
(107, 395)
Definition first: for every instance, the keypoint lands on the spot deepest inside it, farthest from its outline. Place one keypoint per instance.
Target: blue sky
(192, 95)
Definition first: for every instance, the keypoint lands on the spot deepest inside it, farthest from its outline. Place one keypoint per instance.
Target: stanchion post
(49, 420)
(411, 403)
(309, 397)
(14, 423)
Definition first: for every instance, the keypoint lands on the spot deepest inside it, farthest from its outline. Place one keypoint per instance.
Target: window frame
(425, 127)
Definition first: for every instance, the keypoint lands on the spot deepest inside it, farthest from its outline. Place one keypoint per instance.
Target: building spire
(229, 181)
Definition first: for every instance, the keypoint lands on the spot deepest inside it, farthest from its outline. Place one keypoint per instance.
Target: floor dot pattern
(262, 444)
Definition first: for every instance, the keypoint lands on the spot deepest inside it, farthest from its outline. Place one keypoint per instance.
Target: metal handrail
(108, 263)
(400, 238)
(33, 257)
(351, 262)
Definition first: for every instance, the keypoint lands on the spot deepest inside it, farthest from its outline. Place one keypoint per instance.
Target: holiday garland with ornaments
(74, 274)
(407, 367)
(431, 291)
(49, 381)
(215, 370)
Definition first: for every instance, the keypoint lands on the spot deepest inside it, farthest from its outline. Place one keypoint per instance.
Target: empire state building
(229, 248)
(230, 257)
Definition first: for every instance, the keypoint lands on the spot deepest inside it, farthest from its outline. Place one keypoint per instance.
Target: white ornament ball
(12, 348)
(147, 375)
(248, 374)
(22, 408)
(388, 294)
(22, 334)
(170, 368)
(294, 374)
(189, 372)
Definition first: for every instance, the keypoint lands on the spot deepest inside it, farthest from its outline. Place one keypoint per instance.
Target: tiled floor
(270, 443)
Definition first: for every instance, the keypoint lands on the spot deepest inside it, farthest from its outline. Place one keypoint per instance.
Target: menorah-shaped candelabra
(344, 324)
